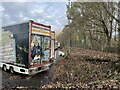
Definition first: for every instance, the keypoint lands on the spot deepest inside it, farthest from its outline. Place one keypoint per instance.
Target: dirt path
(10, 81)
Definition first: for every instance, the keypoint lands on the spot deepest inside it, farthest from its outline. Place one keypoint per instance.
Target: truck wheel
(4, 68)
(11, 70)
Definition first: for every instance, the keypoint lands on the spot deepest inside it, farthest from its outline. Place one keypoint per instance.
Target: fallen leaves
(111, 84)
(85, 69)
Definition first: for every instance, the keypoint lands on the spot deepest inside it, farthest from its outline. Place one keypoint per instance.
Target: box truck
(27, 48)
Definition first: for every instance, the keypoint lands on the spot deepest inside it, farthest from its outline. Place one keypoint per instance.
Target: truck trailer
(27, 48)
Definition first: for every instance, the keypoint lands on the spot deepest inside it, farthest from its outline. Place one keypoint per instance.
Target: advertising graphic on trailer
(40, 43)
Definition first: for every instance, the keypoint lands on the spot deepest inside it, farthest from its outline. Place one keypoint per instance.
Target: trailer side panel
(21, 34)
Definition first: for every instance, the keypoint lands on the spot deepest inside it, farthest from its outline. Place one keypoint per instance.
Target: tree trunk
(84, 39)
(119, 40)
(108, 42)
(91, 41)
(119, 28)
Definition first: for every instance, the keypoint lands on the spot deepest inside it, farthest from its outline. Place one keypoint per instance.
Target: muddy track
(11, 81)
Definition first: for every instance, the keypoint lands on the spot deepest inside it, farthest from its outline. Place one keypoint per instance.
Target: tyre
(11, 70)
(4, 68)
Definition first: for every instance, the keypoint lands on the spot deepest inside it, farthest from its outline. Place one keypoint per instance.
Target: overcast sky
(49, 13)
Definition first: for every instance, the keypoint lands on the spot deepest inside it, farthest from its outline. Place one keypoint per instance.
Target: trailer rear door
(40, 50)
(52, 44)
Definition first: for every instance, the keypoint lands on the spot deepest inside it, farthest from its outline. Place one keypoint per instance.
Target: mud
(10, 81)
